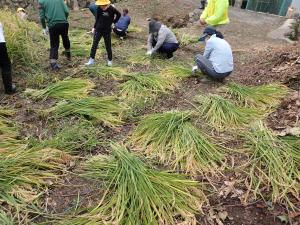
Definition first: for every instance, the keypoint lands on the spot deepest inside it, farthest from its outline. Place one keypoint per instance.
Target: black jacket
(104, 19)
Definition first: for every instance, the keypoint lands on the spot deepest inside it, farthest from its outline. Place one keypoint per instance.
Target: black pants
(167, 48)
(5, 66)
(107, 40)
(59, 29)
(120, 33)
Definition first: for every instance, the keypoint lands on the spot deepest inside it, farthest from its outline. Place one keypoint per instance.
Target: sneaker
(12, 90)
(194, 69)
(90, 62)
(109, 63)
(55, 66)
(122, 38)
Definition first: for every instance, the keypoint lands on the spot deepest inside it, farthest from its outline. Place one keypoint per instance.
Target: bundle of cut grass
(221, 113)
(268, 95)
(5, 219)
(143, 87)
(177, 72)
(272, 166)
(175, 141)
(187, 39)
(105, 71)
(139, 58)
(106, 110)
(81, 42)
(139, 194)
(82, 136)
(24, 173)
(66, 89)
(22, 39)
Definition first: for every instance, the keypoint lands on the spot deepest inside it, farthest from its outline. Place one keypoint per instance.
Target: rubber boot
(9, 87)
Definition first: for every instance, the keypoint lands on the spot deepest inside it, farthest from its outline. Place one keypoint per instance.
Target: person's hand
(202, 22)
(113, 26)
(93, 31)
(46, 31)
(149, 52)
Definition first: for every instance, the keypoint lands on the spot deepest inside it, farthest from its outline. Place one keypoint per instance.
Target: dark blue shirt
(123, 23)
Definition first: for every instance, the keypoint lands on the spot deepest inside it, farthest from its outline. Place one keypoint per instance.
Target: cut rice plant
(139, 58)
(273, 168)
(134, 29)
(105, 71)
(177, 72)
(144, 87)
(137, 193)
(221, 113)
(106, 110)
(37, 79)
(81, 42)
(23, 39)
(268, 95)
(72, 138)
(293, 144)
(66, 89)
(5, 219)
(174, 140)
(187, 39)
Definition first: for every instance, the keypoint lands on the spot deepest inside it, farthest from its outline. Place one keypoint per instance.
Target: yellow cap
(102, 2)
(20, 10)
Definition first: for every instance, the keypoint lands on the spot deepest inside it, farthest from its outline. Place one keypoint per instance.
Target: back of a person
(221, 55)
(54, 10)
(123, 22)
(170, 36)
(211, 11)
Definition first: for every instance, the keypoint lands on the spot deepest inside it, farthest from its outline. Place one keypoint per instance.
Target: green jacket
(216, 12)
(53, 12)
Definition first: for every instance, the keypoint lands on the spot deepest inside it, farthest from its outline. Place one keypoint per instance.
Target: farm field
(144, 141)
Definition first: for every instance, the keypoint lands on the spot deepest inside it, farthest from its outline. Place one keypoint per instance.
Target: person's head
(103, 4)
(154, 26)
(125, 12)
(210, 31)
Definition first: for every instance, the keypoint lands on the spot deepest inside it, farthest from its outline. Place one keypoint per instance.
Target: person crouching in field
(105, 17)
(215, 13)
(161, 39)
(217, 60)
(5, 65)
(122, 25)
(56, 13)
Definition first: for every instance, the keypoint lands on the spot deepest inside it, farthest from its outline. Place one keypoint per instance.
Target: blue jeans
(167, 48)
(207, 68)
(93, 8)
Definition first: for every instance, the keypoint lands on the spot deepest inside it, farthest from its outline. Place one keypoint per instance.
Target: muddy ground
(258, 59)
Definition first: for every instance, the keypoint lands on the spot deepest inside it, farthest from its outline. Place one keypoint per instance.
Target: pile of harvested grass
(221, 113)
(143, 87)
(268, 95)
(175, 141)
(104, 71)
(177, 72)
(273, 167)
(138, 194)
(66, 89)
(106, 110)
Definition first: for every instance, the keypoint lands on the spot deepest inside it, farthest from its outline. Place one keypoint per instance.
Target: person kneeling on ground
(56, 13)
(106, 16)
(217, 60)
(122, 25)
(5, 65)
(161, 39)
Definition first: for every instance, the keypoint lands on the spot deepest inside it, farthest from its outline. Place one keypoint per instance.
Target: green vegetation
(106, 110)
(65, 89)
(272, 165)
(174, 140)
(137, 194)
(220, 113)
(268, 95)
(177, 72)
(104, 71)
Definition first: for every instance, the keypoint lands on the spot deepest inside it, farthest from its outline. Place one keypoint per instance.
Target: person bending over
(215, 13)
(217, 60)
(105, 17)
(5, 65)
(161, 39)
(122, 25)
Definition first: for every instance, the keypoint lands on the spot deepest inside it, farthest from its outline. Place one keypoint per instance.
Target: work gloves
(46, 32)
(150, 52)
